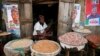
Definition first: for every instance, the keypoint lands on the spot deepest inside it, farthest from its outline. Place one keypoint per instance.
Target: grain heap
(45, 46)
(21, 43)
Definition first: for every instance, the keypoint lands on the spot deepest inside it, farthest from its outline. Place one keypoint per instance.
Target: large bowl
(36, 53)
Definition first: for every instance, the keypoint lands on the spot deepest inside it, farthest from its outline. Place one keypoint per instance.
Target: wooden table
(3, 37)
(2, 34)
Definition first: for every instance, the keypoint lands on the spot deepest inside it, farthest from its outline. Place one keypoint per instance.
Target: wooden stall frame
(69, 11)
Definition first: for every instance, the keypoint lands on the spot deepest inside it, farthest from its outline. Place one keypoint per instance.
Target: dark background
(50, 13)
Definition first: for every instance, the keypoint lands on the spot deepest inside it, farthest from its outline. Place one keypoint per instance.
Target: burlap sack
(12, 52)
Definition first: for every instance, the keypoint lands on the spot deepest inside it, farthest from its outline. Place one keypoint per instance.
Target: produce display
(45, 46)
(94, 38)
(72, 38)
(81, 29)
(22, 43)
(84, 30)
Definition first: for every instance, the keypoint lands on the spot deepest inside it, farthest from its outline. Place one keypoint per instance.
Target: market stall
(78, 31)
(14, 17)
(81, 19)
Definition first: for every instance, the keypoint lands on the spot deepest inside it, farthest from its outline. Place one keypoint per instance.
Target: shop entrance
(50, 12)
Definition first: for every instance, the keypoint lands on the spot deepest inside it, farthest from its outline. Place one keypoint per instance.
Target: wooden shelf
(17, 1)
(51, 2)
(68, 1)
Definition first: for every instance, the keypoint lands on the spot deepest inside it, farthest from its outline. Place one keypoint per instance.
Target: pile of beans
(72, 38)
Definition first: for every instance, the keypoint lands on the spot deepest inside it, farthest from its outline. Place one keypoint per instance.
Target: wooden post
(93, 52)
(26, 19)
(67, 52)
(81, 52)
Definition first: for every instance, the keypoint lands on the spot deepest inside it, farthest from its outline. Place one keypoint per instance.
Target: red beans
(72, 38)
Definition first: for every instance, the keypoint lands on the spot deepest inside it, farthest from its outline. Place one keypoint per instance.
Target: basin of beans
(73, 39)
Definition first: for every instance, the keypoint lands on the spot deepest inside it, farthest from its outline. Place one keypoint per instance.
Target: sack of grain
(17, 47)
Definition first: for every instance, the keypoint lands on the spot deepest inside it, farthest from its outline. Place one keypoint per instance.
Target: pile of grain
(22, 43)
(45, 46)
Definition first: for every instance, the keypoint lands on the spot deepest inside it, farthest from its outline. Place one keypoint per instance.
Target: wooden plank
(48, 2)
(16, 1)
(67, 1)
(28, 9)
(64, 18)
(63, 11)
(23, 30)
(10, 0)
(27, 30)
(25, 1)
(26, 19)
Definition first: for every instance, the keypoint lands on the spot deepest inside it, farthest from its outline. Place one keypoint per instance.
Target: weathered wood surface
(28, 11)
(26, 29)
(64, 17)
(67, 1)
(16, 1)
(26, 19)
